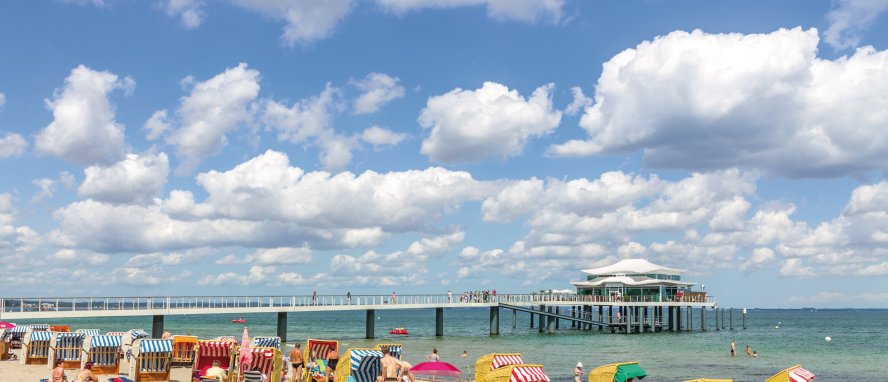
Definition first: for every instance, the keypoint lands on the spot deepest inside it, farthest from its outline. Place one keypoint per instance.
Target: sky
(279, 147)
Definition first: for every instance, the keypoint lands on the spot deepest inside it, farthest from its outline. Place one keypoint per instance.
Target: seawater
(858, 350)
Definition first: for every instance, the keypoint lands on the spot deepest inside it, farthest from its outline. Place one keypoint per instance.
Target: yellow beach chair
(792, 374)
(183, 350)
(104, 352)
(489, 362)
(359, 365)
(316, 351)
(617, 372)
(151, 360)
(65, 347)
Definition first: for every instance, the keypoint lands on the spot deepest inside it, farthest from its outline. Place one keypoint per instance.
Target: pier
(548, 311)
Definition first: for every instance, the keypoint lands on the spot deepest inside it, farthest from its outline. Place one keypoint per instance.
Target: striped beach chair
(490, 362)
(104, 352)
(268, 361)
(518, 373)
(40, 327)
(129, 337)
(65, 347)
(792, 374)
(35, 348)
(183, 350)
(151, 360)
(359, 365)
(205, 352)
(621, 371)
(89, 332)
(316, 351)
(16, 335)
(267, 342)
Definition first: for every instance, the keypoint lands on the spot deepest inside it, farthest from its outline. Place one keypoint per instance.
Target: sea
(857, 351)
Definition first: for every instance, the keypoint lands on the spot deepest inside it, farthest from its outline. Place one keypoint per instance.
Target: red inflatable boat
(400, 331)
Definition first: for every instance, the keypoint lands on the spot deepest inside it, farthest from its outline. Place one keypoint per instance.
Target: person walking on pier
(314, 297)
(348, 295)
(449, 297)
(394, 299)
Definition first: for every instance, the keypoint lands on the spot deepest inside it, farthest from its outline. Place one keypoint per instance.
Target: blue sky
(284, 146)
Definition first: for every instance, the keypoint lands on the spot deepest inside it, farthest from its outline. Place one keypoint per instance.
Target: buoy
(828, 339)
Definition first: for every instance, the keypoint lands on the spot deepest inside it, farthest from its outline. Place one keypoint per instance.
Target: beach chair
(183, 350)
(316, 351)
(207, 351)
(489, 362)
(104, 352)
(266, 342)
(128, 338)
(40, 328)
(65, 347)
(267, 361)
(617, 372)
(89, 332)
(16, 336)
(517, 373)
(394, 349)
(252, 376)
(4, 346)
(35, 348)
(359, 365)
(792, 374)
(151, 360)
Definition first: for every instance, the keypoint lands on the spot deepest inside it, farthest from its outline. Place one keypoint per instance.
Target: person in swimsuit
(332, 360)
(58, 373)
(734, 348)
(86, 374)
(434, 356)
(393, 370)
(297, 361)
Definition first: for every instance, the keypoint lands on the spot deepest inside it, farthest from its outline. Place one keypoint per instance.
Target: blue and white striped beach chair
(394, 349)
(363, 365)
(267, 342)
(104, 352)
(151, 360)
(89, 332)
(35, 348)
(65, 347)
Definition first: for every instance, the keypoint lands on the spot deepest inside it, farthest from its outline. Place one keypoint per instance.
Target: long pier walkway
(631, 313)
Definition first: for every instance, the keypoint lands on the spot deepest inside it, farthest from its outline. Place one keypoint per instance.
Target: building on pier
(637, 280)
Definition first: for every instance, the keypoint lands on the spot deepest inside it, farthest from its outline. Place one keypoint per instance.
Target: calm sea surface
(858, 350)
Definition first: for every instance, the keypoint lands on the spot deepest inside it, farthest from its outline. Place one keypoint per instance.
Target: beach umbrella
(244, 354)
(436, 368)
(6, 325)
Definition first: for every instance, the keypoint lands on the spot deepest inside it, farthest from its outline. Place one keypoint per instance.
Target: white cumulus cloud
(305, 21)
(83, 130)
(492, 121)
(703, 101)
(380, 136)
(190, 12)
(135, 179)
(377, 89)
(214, 108)
(849, 19)
(12, 145)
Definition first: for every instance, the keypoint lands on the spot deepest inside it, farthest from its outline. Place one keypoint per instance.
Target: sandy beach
(14, 371)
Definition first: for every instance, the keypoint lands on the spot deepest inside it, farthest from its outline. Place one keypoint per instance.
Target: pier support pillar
(641, 314)
(557, 319)
(514, 319)
(439, 322)
(552, 321)
(573, 314)
(531, 320)
(703, 319)
(600, 317)
(157, 326)
(542, 325)
(717, 327)
(628, 317)
(731, 322)
(282, 326)
(370, 324)
(690, 326)
(494, 320)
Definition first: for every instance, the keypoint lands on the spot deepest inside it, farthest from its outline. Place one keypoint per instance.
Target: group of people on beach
(298, 365)
(84, 375)
(749, 352)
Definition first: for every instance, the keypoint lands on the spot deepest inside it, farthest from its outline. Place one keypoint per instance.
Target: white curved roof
(633, 266)
(629, 281)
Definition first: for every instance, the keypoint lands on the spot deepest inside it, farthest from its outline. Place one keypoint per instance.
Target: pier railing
(42, 304)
